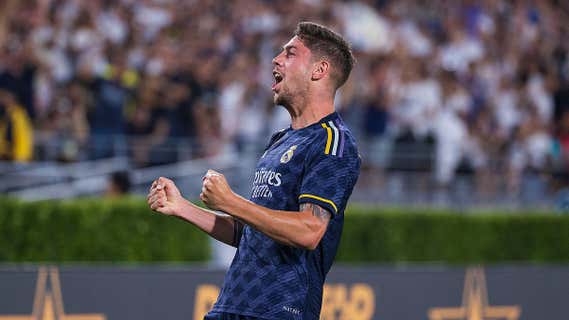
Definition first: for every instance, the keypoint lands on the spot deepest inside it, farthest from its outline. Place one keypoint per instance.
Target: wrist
(230, 204)
(180, 208)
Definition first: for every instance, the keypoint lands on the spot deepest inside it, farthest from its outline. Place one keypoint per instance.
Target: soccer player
(288, 232)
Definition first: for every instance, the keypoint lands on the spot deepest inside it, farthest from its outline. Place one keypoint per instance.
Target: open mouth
(278, 77)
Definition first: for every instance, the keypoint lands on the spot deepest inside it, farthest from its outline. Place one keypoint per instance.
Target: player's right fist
(164, 196)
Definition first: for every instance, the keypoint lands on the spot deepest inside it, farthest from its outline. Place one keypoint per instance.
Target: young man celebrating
(288, 232)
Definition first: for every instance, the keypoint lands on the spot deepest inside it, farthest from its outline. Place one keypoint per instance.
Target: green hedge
(454, 237)
(95, 230)
(127, 231)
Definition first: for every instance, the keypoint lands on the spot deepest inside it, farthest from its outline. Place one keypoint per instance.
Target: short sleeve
(329, 178)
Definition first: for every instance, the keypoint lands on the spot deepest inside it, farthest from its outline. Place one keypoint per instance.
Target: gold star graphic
(475, 304)
(48, 303)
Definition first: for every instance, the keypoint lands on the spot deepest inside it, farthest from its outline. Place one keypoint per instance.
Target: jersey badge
(288, 154)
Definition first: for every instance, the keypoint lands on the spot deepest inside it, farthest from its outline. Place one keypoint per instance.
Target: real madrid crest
(288, 154)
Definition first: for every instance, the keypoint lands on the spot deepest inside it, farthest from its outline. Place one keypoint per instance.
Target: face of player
(291, 72)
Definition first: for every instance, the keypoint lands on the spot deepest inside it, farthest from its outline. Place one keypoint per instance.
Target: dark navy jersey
(317, 164)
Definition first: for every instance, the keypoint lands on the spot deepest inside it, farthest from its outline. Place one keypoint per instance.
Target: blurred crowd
(484, 83)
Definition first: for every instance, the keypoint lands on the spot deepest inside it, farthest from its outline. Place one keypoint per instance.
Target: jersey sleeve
(330, 174)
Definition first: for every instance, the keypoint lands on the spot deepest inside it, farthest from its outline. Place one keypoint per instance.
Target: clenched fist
(164, 197)
(216, 193)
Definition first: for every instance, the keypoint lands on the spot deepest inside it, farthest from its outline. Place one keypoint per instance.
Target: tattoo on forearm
(237, 231)
(317, 211)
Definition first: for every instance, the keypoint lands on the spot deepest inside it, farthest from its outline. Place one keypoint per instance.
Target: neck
(310, 110)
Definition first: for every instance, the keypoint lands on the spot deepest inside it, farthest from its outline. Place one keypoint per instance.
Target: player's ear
(320, 69)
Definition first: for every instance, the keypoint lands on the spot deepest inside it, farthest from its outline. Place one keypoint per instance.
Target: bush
(450, 237)
(95, 230)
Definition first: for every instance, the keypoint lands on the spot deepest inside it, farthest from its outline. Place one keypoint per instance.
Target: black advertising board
(351, 293)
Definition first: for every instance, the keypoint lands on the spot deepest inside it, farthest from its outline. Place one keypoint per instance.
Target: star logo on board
(288, 155)
(475, 304)
(48, 301)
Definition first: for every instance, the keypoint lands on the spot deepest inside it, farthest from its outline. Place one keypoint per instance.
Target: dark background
(160, 292)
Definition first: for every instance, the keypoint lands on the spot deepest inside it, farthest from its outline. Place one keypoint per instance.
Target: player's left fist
(216, 192)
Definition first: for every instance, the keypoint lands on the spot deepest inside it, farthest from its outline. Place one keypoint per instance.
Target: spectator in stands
(16, 135)
(377, 140)
(17, 74)
(119, 184)
(455, 142)
(112, 91)
(530, 150)
(142, 125)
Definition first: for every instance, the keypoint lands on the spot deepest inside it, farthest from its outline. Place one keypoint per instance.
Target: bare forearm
(302, 229)
(294, 228)
(221, 227)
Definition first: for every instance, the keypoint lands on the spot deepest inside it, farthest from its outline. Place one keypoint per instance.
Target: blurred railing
(418, 189)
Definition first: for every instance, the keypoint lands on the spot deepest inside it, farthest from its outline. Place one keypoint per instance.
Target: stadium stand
(453, 102)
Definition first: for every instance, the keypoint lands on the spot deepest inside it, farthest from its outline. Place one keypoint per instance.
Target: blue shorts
(227, 316)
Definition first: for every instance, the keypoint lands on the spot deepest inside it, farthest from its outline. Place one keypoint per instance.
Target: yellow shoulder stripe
(321, 199)
(329, 141)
